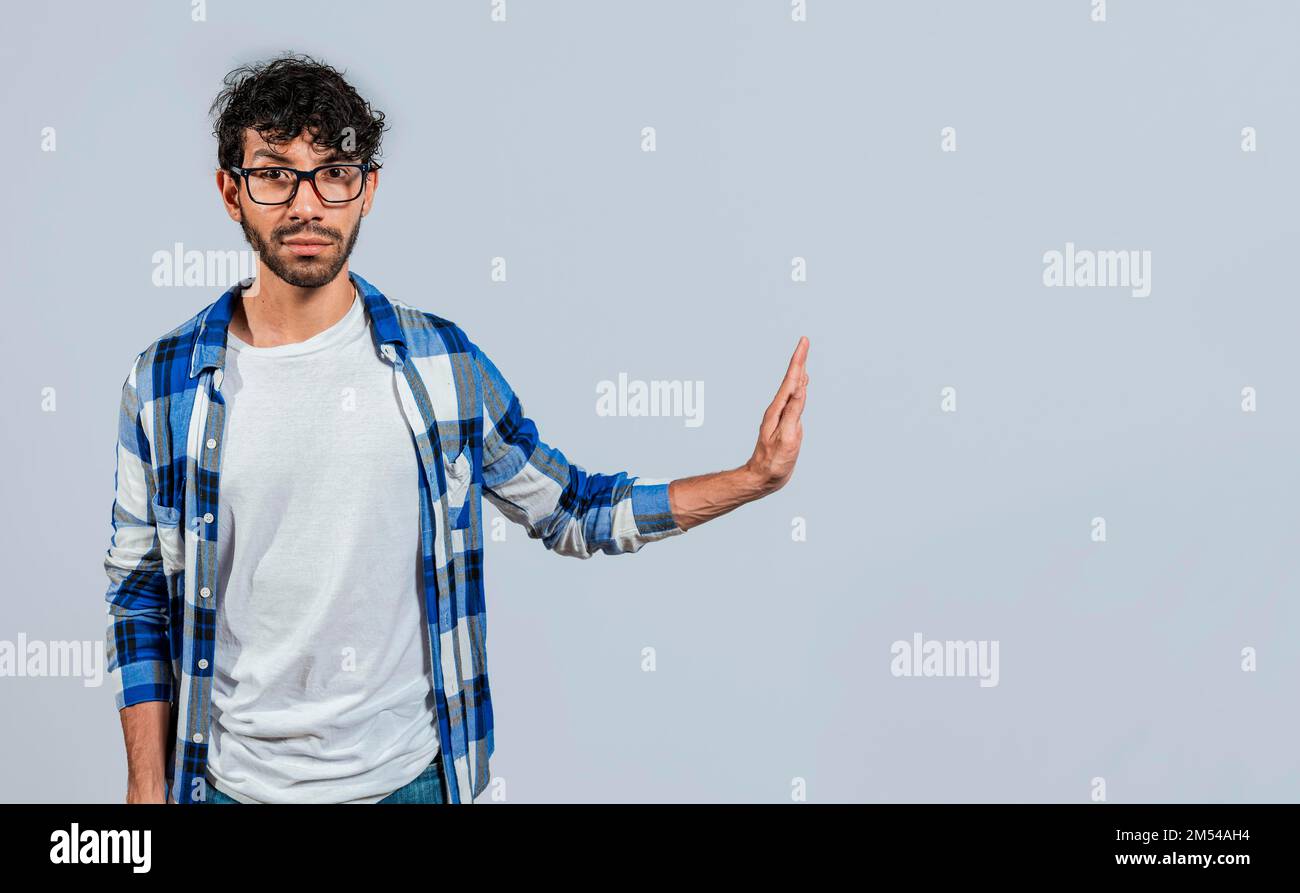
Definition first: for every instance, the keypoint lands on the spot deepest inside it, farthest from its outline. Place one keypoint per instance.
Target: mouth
(307, 247)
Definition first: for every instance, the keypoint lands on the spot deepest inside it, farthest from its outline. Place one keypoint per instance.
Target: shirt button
(208, 517)
(205, 592)
(211, 442)
(203, 663)
(198, 737)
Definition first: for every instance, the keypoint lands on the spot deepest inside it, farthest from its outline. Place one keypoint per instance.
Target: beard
(303, 272)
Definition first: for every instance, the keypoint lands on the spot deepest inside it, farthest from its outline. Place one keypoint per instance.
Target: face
(305, 242)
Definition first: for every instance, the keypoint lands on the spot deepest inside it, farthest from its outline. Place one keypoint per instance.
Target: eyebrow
(275, 156)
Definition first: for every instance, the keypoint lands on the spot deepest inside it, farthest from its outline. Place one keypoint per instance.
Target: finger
(772, 418)
(794, 374)
(794, 406)
(795, 370)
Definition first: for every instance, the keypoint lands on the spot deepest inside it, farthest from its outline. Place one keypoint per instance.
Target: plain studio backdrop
(778, 145)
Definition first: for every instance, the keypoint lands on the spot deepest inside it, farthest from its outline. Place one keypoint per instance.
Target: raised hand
(781, 433)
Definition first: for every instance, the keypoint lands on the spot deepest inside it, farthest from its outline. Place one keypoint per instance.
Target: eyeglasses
(279, 185)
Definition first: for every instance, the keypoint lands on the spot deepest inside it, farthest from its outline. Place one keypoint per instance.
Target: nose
(307, 203)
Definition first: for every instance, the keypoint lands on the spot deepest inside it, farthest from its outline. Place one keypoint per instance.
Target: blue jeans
(428, 787)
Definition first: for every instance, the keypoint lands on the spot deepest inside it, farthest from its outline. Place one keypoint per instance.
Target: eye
(336, 173)
(271, 175)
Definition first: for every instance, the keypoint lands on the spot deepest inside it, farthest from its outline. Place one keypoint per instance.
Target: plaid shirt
(472, 440)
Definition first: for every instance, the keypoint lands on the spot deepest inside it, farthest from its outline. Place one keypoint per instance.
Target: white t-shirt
(322, 690)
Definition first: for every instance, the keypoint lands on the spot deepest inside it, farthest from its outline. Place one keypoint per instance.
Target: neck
(274, 312)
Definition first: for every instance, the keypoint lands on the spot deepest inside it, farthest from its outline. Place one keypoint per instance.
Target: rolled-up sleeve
(136, 641)
(572, 511)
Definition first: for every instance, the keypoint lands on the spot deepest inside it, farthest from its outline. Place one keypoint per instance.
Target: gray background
(1118, 659)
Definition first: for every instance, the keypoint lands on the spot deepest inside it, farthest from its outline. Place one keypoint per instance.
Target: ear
(372, 184)
(228, 187)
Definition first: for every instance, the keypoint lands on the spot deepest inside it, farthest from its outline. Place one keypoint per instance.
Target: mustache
(319, 233)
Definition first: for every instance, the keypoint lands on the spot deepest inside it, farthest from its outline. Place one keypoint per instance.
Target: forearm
(145, 727)
(704, 497)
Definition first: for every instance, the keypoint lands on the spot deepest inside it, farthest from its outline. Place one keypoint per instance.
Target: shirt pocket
(171, 537)
(459, 471)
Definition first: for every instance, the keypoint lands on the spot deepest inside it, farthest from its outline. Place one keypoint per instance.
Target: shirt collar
(210, 339)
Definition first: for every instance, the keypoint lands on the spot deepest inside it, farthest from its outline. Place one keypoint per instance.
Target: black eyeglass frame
(243, 172)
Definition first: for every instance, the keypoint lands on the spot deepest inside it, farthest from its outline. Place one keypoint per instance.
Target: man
(296, 609)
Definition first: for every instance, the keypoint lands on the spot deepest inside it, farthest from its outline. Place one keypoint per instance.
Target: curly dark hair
(282, 97)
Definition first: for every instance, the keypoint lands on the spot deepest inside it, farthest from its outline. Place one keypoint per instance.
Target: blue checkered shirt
(473, 440)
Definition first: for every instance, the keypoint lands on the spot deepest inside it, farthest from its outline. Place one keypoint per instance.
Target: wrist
(150, 792)
(750, 483)
(146, 781)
